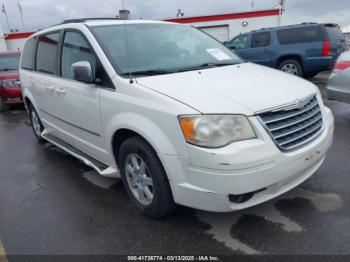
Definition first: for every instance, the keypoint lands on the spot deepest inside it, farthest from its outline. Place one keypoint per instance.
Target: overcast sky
(42, 13)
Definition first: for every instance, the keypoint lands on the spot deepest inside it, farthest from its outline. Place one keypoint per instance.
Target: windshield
(9, 62)
(152, 48)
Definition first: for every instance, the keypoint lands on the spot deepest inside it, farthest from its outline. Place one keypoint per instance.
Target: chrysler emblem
(300, 104)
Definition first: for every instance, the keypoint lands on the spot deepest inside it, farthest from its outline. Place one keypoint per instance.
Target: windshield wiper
(153, 72)
(205, 65)
(149, 72)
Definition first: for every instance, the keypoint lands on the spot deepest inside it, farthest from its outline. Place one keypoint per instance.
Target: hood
(239, 89)
(12, 74)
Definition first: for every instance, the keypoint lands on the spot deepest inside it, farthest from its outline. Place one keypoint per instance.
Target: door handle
(60, 91)
(50, 89)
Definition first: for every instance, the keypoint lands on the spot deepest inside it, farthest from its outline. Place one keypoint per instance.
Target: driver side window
(76, 49)
(240, 42)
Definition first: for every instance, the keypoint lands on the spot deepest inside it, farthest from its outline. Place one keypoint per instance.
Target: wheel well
(286, 57)
(27, 101)
(118, 139)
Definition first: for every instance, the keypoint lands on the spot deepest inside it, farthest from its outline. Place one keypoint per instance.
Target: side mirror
(225, 42)
(233, 47)
(82, 71)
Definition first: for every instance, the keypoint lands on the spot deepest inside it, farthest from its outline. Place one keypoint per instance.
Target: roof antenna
(127, 46)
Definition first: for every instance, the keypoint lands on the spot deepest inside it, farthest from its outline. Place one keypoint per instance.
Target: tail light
(341, 66)
(326, 49)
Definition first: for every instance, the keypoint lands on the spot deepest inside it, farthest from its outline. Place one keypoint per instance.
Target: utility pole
(253, 5)
(7, 19)
(280, 8)
(21, 13)
(180, 13)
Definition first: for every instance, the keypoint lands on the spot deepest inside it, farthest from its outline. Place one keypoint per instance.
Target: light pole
(280, 8)
(253, 5)
(7, 19)
(21, 13)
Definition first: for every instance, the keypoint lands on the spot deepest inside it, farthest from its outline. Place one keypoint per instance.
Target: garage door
(218, 32)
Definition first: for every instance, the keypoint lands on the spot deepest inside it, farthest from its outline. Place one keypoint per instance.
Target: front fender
(149, 130)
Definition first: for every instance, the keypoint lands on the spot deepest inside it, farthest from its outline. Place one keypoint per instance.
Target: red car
(10, 90)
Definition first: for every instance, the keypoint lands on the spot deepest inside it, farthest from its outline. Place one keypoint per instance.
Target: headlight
(8, 83)
(215, 131)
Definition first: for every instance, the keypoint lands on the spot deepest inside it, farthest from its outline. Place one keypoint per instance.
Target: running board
(101, 168)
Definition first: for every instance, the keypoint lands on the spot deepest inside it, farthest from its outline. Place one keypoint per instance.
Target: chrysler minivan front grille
(294, 126)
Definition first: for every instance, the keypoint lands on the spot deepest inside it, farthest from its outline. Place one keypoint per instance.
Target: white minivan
(179, 117)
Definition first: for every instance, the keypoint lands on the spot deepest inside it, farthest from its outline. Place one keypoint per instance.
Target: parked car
(338, 87)
(173, 112)
(302, 50)
(10, 90)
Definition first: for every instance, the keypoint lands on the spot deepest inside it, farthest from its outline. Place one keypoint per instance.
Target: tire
(291, 66)
(3, 107)
(136, 184)
(36, 124)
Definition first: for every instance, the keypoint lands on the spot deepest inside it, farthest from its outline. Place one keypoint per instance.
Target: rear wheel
(37, 126)
(144, 178)
(3, 107)
(291, 66)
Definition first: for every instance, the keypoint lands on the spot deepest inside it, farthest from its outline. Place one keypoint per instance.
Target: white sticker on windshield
(218, 54)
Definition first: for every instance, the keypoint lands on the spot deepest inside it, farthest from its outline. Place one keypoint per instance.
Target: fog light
(240, 199)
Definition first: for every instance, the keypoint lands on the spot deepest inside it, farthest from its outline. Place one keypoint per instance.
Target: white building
(346, 29)
(15, 41)
(222, 26)
(3, 46)
(226, 26)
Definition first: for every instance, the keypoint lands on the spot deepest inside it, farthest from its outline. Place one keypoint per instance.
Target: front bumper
(11, 95)
(338, 86)
(207, 179)
(338, 94)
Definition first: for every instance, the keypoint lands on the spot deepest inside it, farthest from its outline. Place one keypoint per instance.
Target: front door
(259, 50)
(239, 45)
(81, 101)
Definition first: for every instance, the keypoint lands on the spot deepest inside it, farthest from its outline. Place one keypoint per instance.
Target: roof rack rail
(331, 24)
(80, 20)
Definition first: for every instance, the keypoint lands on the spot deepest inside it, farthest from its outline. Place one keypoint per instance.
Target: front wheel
(144, 178)
(37, 126)
(291, 66)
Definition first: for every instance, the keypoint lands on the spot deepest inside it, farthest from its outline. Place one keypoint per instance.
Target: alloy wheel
(139, 179)
(36, 123)
(290, 69)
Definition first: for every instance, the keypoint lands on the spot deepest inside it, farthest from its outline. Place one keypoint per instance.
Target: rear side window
(261, 39)
(334, 33)
(46, 53)
(300, 35)
(27, 61)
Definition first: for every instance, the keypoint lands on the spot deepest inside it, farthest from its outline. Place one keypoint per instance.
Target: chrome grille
(293, 127)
